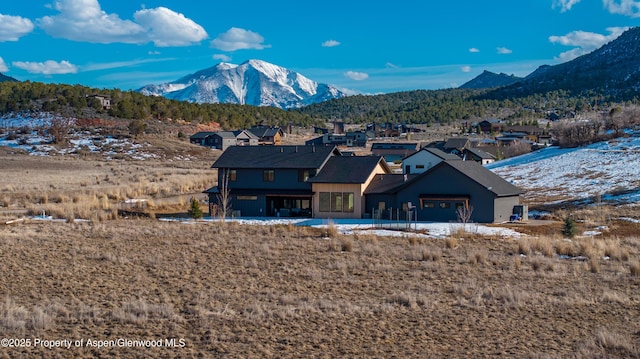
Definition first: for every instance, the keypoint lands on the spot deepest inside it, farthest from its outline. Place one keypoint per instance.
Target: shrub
(195, 212)
(569, 227)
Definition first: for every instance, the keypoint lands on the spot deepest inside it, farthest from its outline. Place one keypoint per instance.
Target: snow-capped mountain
(253, 82)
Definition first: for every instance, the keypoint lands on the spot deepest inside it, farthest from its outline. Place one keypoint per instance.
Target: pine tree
(569, 228)
(195, 212)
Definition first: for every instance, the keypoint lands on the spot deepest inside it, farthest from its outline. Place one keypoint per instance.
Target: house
(270, 180)
(492, 125)
(478, 155)
(105, 101)
(424, 159)
(267, 135)
(349, 139)
(438, 193)
(394, 151)
(224, 139)
(338, 189)
(199, 138)
(456, 145)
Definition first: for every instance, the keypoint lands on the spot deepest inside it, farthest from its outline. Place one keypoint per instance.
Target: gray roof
(352, 169)
(481, 154)
(482, 176)
(395, 145)
(441, 154)
(272, 157)
(471, 169)
(456, 142)
(201, 135)
(264, 131)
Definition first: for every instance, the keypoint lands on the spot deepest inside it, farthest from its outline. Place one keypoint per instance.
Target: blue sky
(375, 47)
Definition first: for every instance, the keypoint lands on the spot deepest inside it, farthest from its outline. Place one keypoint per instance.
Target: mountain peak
(254, 82)
(488, 79)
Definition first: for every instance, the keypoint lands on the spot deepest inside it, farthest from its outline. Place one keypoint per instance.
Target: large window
(232, 175)
(337, 202)
(268, 175)
(303, 175)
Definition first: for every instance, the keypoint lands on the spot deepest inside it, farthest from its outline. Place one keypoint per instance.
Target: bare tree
(59, 128)
(224, 195)
(464, 213)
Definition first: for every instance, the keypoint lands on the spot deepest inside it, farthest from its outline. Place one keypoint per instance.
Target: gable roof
(387, 183)
(456, 142)
(265, 131)
(480, 153)
(201, 135)
(274, 157)
(395, 146)
(352, 169)
(471, 169)
(436, 152)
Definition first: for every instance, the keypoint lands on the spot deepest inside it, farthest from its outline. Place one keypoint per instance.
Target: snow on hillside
(553, 175)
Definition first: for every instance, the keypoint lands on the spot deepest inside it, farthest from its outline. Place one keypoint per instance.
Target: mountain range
(613, 70)
(4, 78)
(488, 79)
(253, 82)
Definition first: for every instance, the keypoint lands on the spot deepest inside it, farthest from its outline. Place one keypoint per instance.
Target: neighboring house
(438, 193)
(270, 180)
(492, 125)
(425, 159)
(394, 151)
(349, 139)
(224, 139)
(338, 189)
(200, 137)
(478, 155)
(456, 145)
(270, 136)
(105, 101)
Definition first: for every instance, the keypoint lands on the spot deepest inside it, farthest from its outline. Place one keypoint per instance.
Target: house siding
(423, 158)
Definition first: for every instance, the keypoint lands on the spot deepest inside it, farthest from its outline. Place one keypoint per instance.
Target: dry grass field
(226, 290)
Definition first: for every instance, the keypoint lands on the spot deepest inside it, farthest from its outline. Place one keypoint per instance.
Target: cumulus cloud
(168, 28)
(358, 76)
(565, 5)
(3, 66)
(239, 39)
(14, 27)
(84, 20)
(465, 68)
(474, 49)
(222, 57)
(48, 67)
(623, 7)
(503, 51)
(330, 43)
(584, 42)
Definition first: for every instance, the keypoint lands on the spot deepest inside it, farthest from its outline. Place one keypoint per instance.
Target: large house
(267, 135)
(317, 181)
(424, 159)
(437, 194)
(224, 139)
(349, 139)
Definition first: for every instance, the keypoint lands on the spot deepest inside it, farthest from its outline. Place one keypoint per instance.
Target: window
(247, 198)
(303, 175)
(382, 206)
(445, 205)
(232, 175)
(325, 202)
(268, 175)
(337, 202)
(420, 166)
(428, 204)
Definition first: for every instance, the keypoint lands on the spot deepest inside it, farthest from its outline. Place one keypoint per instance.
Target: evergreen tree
(195, 212)
(569, 227)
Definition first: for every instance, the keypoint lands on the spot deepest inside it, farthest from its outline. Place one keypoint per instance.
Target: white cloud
(465, 68)
(48, 67)
(168, 28)
(84, 20)
(503, 51)
(238, 39)
(14, 27)
(565, 5)
(154, 52)
(389, 65)
(222, 57)
(358, 76)
(330, 43)
(3, 66)
(623, 7)
(473, 49)
(584, 42)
